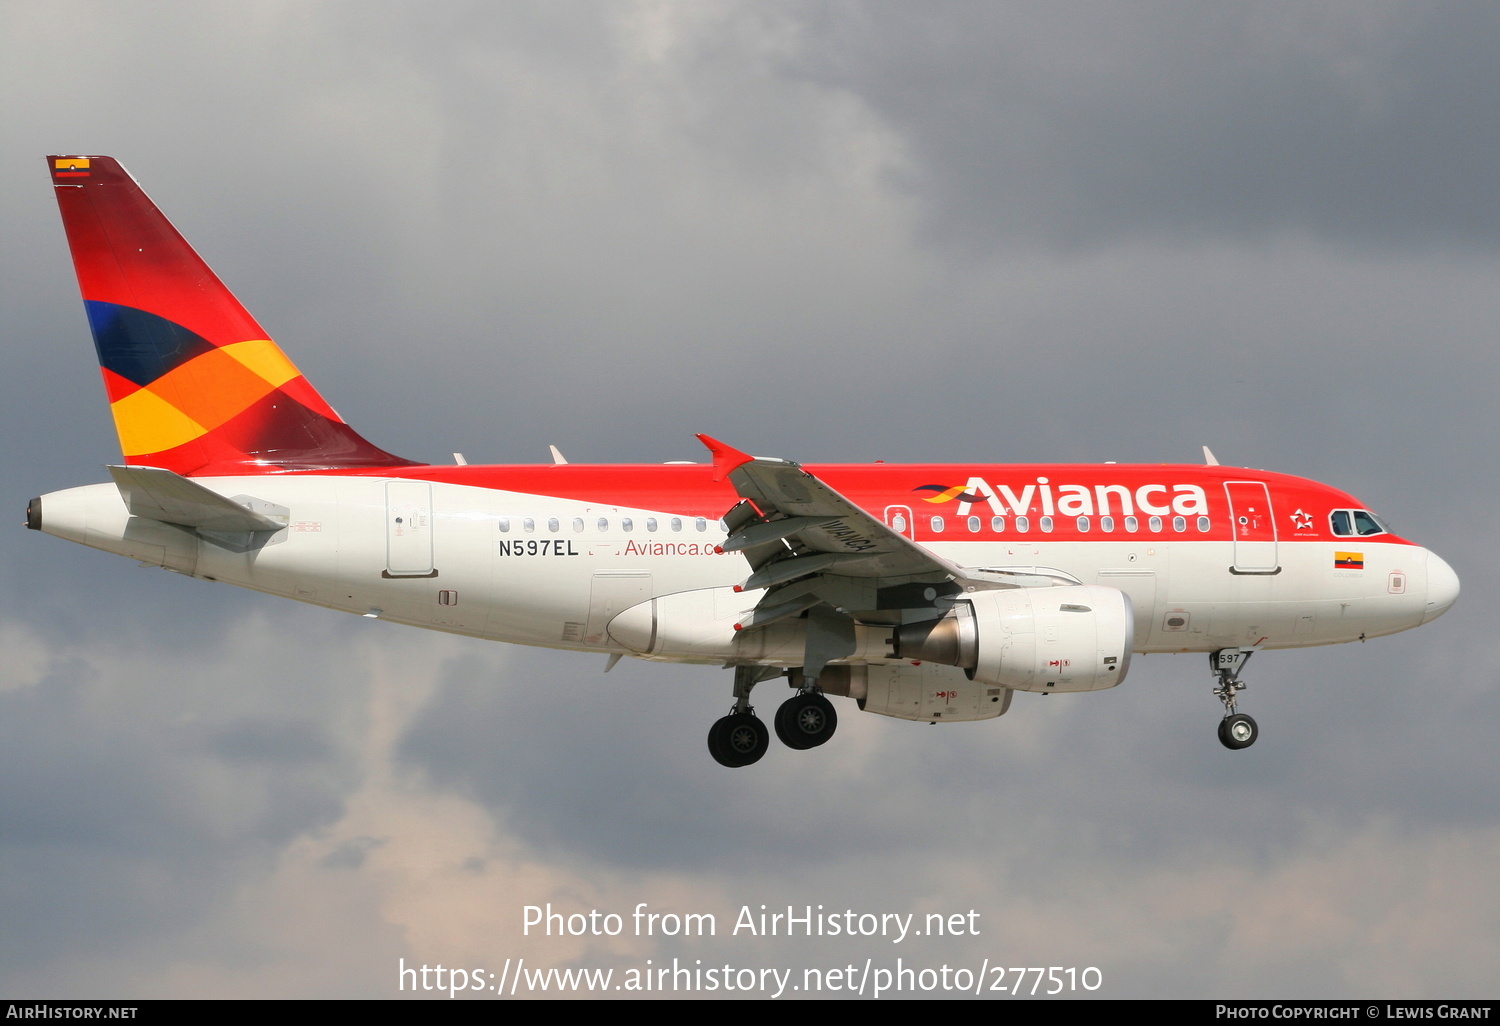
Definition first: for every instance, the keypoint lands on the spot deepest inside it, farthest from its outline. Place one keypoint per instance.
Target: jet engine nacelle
(1075, 638)
(928, 692)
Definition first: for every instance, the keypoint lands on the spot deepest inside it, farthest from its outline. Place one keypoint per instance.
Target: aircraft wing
(808, 545)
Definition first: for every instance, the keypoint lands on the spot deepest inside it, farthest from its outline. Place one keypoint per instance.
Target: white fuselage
(433, 555)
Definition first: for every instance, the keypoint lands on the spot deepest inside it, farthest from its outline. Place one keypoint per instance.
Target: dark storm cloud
(352, 853)
(1079, 124)
(653, 806)
(269, 740)
(126, 801)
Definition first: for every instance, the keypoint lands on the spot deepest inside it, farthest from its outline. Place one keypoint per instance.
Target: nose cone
(1442, 587)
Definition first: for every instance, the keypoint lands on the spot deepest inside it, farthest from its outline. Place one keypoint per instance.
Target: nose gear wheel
(1236, 730)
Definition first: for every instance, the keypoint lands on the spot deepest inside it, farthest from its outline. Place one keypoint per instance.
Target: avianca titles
(925, 592)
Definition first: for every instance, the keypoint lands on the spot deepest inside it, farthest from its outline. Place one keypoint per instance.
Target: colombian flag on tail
(194, 383)
(70, 167)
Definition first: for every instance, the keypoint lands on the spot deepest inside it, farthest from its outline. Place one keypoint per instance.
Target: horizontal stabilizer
(157, 494)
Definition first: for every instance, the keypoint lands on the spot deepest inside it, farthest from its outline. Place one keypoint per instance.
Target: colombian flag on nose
(1348, 560)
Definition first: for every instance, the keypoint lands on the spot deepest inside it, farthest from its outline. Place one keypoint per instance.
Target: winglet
(1209, 458)
(726, 458)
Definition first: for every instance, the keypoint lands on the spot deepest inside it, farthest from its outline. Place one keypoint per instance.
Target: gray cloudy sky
(828, 231)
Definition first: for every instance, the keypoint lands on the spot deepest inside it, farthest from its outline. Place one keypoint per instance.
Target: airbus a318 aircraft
(925, 592)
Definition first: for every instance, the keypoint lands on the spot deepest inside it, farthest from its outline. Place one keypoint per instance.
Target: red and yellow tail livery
(195, 385)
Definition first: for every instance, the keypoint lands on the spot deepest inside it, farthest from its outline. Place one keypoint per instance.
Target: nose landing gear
(1236, 730)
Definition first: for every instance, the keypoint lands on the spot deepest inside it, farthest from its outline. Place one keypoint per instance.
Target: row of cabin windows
(626, 524)
(1343, 522)
(1022, 525)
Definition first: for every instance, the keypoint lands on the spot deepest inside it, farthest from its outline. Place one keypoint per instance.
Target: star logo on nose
(1301, 521)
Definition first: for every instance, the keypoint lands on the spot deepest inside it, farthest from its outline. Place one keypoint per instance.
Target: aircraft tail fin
(194, 383)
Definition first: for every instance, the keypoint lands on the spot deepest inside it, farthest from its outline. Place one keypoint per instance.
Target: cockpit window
(1348, 523)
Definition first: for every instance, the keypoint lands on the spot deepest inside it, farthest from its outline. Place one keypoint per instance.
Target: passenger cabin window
(529, 524)
(1045, 524)
(1107, 524)
(505, 523)
(1179, 524)
(1132, 525)
(1083, 524)
(997, 524)
(1203, 524)
(651, 524)
(578, 523)
(1155, 523)
(603, 525)
(1023, 524)
(552, 525)
(676, 523)
(937, 525)
(701, 523)
(626, 524)
(973, 525)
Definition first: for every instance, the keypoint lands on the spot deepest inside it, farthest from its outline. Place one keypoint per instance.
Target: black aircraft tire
(806, 721)
(1238, 731)
(738, 740)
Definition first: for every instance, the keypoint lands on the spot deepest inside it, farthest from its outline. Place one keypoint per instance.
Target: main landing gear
(1236, 730)
(738, 739)
(805, 720)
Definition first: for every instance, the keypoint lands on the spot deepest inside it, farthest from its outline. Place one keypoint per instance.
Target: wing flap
(790, 569)
(806, 517)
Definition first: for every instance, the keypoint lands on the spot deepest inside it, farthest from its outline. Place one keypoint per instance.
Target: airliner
(925, 592)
